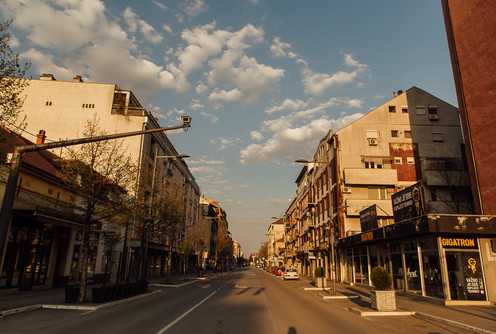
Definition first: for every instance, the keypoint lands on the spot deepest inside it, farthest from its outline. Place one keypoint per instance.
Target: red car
(278, 271)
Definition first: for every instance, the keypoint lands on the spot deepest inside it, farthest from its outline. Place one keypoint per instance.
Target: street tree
(263, 252)
(99, 173)
(199, 238)
(167, 221)
(12, 83)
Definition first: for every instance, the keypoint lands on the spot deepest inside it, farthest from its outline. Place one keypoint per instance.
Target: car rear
(291, 273)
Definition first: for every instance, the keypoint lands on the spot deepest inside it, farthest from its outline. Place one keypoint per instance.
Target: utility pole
(15, 167)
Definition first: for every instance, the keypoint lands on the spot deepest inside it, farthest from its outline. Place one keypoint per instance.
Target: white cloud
(256, 136)
(318, 83)
(160, 5)
(225, 143)
(144, 27)
(213, 118)
(194, 8)
(278, 49)
(91, 45)
(195, 105)
(292, 135)
(286, 105)
(355, 103)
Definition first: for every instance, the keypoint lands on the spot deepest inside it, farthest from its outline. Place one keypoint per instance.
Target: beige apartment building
(62, 109)
(411, 140)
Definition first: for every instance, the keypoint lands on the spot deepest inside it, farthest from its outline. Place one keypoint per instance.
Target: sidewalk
(480, 319)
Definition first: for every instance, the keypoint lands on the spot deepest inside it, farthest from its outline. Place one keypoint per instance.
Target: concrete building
(62, 109)
(275, 233)
(470, 30)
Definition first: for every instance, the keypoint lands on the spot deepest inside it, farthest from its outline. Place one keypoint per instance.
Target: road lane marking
(240, 287)
(163, 330)
(271, 316)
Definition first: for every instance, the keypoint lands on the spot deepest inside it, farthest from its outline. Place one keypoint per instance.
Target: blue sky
(263, 80)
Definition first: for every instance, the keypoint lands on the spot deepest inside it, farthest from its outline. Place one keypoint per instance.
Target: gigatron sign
(454, 242)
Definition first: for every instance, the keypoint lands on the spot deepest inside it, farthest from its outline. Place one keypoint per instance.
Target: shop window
(493, 245)
(432, 274)
(465, 275)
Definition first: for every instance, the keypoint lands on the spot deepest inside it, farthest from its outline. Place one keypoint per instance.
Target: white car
(291, 273)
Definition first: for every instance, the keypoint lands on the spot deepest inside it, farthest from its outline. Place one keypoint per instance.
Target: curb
(454, 323)
(379, 314)
(338, 297)
(75, 307)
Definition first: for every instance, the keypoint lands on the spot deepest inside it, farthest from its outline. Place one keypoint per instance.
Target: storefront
(440, 256)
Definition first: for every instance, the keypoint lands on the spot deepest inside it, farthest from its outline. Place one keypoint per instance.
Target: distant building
(471, 38)
(275, 232)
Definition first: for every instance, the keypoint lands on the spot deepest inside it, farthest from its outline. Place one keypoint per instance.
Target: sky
(263, 80)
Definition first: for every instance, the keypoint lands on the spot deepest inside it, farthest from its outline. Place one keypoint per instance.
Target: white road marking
(240, 287)
(163, 330)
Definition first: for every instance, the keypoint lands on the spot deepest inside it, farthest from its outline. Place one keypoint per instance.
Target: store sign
(368, 218)
(455, 242)
(472, 271)
(408, 203)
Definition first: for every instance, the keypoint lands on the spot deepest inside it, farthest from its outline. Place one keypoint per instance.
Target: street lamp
(15, 167)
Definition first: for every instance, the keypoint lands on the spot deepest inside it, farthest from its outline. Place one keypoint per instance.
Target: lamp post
(15, 167)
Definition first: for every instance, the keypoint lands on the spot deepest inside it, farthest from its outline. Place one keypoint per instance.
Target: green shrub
(381, 278)
(319, 272)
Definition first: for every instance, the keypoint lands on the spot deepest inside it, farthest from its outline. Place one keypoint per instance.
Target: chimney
(400, 92)
(78, 78)
(47, 77)
(40, 139)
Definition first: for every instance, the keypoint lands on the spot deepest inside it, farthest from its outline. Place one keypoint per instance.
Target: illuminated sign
(459, 242)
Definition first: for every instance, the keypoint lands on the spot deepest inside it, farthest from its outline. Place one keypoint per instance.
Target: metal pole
(8, 199)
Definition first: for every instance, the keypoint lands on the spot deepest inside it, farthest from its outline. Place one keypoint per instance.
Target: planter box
(71, 294)
(321, 282)
(383, 300)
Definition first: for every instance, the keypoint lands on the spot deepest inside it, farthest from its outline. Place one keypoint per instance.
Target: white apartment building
(62, 110)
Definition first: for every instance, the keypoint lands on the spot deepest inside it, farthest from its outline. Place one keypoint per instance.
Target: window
(432, 110)
(404, 110)
(394, 133)
(398, 160)
(377, 193)
(437, 137)
(372, 134)
(420, 110)
(88, 105)
(48, 104)
(392, 108)
(408, 134)
(410, 160)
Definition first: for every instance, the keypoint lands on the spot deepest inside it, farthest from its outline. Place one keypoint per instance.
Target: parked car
(278, 271)
(291, 273)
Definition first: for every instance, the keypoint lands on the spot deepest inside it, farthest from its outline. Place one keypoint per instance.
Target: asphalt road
(244, 301)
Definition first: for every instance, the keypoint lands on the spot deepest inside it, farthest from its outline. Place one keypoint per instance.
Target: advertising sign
(472, 271)
(408, 203)
(368, 218)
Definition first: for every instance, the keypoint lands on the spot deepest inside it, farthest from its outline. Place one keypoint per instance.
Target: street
(244, 301)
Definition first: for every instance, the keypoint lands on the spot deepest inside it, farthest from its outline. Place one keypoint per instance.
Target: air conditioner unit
(372, 142)
(9, 158)
(433, 117)
(347, 190)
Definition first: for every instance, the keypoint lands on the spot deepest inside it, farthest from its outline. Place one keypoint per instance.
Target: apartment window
(404, 110)
(394, 133)
(432, 110)
(377, 193)
(437, 137)
(408, 134)
(398, 160)
(420, 110)
(392, 108)
(48, 103)
(88, 105)
(410, 160)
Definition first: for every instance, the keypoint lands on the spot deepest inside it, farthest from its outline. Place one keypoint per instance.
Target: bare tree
(98, 171)
(12, 83)
(199, 237)
(263, 252)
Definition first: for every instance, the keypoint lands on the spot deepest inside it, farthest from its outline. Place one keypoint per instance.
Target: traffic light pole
(15, 167)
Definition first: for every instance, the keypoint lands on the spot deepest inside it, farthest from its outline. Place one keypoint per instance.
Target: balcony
(354, 206)
(365, 176)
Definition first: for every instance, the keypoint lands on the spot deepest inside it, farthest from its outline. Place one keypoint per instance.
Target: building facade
(470, 30)
(62, 110)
